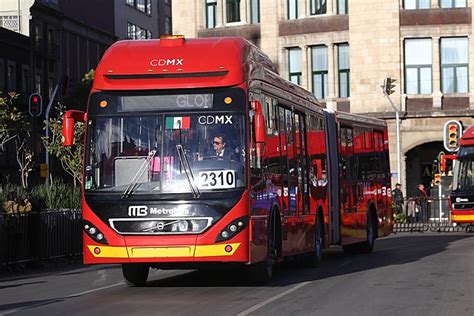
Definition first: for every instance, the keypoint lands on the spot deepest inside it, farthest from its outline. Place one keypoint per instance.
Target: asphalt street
(408, 274)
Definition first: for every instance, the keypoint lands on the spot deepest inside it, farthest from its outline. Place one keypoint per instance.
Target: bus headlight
(232, 229)
(94, 233)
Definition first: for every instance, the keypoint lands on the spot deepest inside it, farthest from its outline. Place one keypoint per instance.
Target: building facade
(343, 51)
(127, 19)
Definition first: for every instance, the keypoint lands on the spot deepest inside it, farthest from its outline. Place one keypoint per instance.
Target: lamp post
(388, 88)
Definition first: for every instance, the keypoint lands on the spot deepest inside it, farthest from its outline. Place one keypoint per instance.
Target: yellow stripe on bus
(462, 217)
(164, 252)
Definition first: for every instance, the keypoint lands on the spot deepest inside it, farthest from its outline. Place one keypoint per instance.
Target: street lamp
(388, 88)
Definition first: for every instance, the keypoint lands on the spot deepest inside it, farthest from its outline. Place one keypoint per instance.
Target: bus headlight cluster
(232, 229)
(94, 233)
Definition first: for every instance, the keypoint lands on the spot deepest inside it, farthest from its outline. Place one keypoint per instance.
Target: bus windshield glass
(464, 174)
(165, 153)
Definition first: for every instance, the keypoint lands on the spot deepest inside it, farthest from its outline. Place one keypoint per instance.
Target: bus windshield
(166, 153)
(463, 178)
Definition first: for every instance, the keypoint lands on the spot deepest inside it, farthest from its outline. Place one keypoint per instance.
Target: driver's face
(218, 144)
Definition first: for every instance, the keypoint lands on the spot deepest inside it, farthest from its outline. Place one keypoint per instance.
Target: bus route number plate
(220, 179)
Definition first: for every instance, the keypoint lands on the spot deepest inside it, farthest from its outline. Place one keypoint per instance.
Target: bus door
(334, 233)
(305, 222)
(350, 222)
(287, 221)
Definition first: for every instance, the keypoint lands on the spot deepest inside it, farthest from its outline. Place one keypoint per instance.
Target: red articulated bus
(197, 153)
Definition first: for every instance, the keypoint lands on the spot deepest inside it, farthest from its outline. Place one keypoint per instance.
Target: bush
(59, 195)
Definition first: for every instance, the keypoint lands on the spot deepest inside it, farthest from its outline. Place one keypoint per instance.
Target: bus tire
(135, 274)
(262, 272)
(314, 258)
(368, 245)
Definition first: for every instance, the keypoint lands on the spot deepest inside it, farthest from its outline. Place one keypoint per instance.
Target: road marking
(19, 309)
(94, 290)
(274, 298)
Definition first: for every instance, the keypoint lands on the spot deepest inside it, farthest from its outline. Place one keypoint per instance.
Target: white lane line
(19, 309)
(274, 298)
(94, 290)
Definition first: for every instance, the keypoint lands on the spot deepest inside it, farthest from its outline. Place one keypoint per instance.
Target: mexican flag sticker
(178, 122)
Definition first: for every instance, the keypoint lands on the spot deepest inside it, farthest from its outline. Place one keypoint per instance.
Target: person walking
(397, 196)
(421, 200)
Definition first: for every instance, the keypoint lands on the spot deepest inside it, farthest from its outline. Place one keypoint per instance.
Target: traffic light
(389, 86)
(441, 162)
(452, 134)
(437, 179)
(35, 104)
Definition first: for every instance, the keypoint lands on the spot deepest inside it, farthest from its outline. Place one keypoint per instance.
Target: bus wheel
(135, 274)
(262, 273)
(368, 245)
(313, 259)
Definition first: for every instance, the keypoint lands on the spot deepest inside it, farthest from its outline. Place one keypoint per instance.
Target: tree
(11, 119)
(70, 157)
(24, 157)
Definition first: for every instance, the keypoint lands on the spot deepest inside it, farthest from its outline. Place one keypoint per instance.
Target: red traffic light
(453, 128)
(35, 105)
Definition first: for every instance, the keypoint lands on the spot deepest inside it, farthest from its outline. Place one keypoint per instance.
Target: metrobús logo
(143, 210)
(160, 62)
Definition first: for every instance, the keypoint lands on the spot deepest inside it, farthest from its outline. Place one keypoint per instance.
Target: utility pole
(48, 109)
(388, 88)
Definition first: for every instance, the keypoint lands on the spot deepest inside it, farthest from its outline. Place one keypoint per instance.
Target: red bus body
(462, 195)
(314, 166)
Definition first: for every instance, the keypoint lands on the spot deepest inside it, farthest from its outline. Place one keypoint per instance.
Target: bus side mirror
(258, 122)
(70, 118)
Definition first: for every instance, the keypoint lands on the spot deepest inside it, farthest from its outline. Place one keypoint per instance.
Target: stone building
(343, 50)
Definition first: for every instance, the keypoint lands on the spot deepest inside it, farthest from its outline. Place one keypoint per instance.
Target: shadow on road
(390, 251)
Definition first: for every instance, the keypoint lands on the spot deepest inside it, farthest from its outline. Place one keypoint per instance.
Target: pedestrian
(397, 196)
(421, 202)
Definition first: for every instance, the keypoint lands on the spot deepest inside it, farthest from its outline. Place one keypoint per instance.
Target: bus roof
(179, 63)
(467, 139)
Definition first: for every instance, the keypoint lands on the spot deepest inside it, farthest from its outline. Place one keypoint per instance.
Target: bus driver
(219, 148)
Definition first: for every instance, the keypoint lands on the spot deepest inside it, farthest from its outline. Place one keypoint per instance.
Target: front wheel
(135, 274)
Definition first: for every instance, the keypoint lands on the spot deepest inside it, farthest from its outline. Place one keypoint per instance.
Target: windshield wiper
(189, 173)
(133, 184)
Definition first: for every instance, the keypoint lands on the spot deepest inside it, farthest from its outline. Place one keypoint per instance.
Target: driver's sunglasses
(216, 143)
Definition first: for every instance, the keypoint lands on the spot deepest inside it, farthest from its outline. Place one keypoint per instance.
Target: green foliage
(12, 120)
(59, 195)
(400, 218)
(70, 157)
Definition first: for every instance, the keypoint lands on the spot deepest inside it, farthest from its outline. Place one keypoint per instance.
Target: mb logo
(135, 211)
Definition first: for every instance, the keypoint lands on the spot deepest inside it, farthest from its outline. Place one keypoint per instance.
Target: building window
(318, 7)
(292, 9)
(233, 11)
(255, 11)
(319, 61)
(294, 65)
(11, 76)
(10, 22)
(418, 63)
(211, 8)
(342, 7)
(454, 65)
(417, 4)
(135, 32)
(38, 83)
(167, 29)
(453, 3)
(141, 5)
(344, 70)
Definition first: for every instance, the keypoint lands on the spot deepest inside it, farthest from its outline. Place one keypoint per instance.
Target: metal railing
(40, 235)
